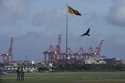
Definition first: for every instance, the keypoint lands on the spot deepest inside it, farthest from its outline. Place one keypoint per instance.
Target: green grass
(68, 77)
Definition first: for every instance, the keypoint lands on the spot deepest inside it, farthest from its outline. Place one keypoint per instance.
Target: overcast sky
(35, 25)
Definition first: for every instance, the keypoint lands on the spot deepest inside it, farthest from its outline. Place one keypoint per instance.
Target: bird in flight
(87, 33)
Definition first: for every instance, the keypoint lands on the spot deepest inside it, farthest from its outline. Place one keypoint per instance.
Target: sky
(35, 24)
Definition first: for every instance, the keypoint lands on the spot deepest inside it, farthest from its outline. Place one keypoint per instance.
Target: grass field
(68, 77)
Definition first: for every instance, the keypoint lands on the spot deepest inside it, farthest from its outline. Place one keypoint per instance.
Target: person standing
(22, 73)
(18, 73)
(0, 75)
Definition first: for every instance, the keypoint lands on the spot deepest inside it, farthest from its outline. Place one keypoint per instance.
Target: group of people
(20, 73)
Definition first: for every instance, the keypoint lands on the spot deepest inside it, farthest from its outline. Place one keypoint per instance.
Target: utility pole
(66, 35)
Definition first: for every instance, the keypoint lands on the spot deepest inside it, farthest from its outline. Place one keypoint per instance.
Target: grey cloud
(117, 13)
(18, 17)
(9, 7)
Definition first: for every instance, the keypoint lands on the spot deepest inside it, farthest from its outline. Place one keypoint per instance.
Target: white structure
(94, 60)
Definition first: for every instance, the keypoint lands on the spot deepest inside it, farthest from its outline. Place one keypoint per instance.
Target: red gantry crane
(7, 57)
(98, 49)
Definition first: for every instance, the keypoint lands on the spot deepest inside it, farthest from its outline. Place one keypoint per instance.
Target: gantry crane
(98, 49)
(8, 57)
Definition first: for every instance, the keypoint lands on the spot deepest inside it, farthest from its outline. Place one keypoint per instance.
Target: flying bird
(87, 33)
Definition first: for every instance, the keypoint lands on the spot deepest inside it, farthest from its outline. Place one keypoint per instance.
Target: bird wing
(88, 31)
